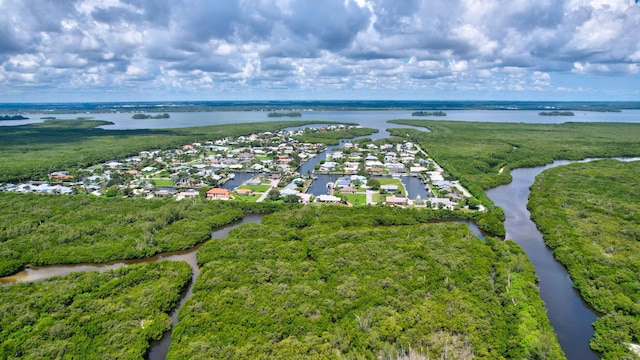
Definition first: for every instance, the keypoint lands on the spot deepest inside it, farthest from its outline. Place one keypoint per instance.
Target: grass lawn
(379, 198)
(163, 182)
(247, 198)
(389, 181)
(356, 199)
(256, 188)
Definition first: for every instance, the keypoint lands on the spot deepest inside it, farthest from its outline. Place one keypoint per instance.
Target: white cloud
(177, 46)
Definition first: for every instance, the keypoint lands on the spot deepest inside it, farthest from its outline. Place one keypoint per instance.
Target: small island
(13, 117)
(147, 116)
(427, 113)
(285, 114)
(556, 113)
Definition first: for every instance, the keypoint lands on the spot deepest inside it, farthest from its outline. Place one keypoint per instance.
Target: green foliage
(49, 229)
(285, 114)
(148, 116)
(428, 113)
(475, 152)
(13, 117)
(374, 184)
(273, 195)
(333, 137)
(34, 150)
(108, 315)
(556, 113)
(590, 215)
(338, 282)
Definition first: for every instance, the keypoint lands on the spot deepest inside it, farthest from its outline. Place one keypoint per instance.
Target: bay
(369, 118)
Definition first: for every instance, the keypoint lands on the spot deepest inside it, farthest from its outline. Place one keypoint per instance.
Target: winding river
(569, 315)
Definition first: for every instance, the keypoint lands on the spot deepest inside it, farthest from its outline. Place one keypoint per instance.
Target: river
(569, 315)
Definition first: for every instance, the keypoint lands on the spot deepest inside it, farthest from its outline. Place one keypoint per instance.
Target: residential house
(244, 192)
(396, 200)
(328, 166)
(348, 190)
(328, 199)
(390, 188)
(190, 193)
(218, 194)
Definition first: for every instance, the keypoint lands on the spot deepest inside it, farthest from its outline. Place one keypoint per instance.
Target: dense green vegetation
(34, 150)
(108, 315)
(556, 113)
(48, 229)
(285, 114)
(428, 113)
(333, 137)
(475, 152)
(148, 116)
(330, 282)
(13, 117)
(590, 215)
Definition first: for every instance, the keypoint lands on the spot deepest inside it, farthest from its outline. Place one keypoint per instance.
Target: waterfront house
(218, 194)
(328, 199)
(390, 188)
(244, 192)
(396, 200)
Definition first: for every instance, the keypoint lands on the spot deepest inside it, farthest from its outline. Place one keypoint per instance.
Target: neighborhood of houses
(365, 173)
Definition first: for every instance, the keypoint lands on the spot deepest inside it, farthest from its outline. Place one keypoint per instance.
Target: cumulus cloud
(183, 47)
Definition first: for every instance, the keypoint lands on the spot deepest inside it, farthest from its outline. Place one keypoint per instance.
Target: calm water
(239, 178)
(414, 187)
(569, 315)
(376, 119)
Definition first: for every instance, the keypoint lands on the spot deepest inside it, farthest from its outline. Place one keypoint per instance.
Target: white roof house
(328, 199)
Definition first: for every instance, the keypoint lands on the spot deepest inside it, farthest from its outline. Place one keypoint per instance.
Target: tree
(374, 184)
(273, 195)
(292, 198)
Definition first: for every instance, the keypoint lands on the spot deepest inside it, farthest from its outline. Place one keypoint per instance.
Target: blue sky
(136, 50)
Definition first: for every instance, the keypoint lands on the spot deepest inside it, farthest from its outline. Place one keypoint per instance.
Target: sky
(154, 50)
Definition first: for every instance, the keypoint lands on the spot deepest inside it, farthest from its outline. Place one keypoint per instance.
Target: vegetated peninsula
(589, 214)
(474, 152)
(429, 113)
(334, 282)
(113, 314)
(148, 116)
(277, 114)
(556, 113)
(60, 231)
(13, 117)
